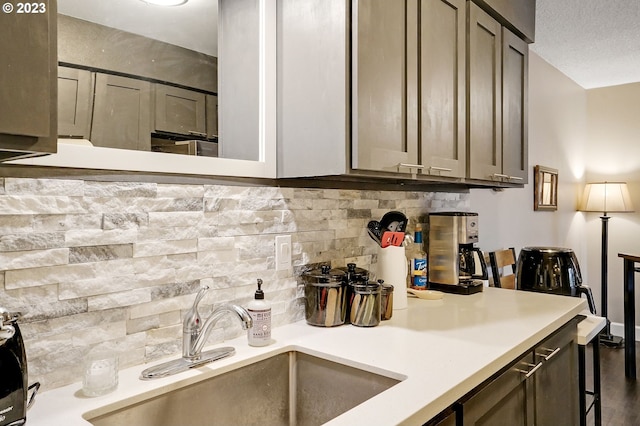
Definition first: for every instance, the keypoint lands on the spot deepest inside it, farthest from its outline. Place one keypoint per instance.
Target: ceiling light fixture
(165, 2)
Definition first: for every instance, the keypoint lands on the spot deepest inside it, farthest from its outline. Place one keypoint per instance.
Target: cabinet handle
(439, 169)
(526, 373)
(411, 167)
(500, 176)
(551, 353)
(515, 178)
(194, 133)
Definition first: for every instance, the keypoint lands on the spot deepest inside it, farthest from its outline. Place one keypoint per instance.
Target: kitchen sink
(291, 388)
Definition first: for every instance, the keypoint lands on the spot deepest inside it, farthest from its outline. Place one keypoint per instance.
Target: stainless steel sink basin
(291, 388)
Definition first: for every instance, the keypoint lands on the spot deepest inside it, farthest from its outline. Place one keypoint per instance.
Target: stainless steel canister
(365, 309)
(354, 275)
(325, 296)
(386, 301)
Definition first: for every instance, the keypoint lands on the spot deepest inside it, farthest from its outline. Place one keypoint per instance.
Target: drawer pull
(526, 373)
(551, 353)
(500, 176)
(515, 178)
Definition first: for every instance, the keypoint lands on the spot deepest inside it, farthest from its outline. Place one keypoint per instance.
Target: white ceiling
(193, 25)
(594, 42)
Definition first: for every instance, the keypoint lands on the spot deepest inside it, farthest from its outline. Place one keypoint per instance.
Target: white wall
(613, 154)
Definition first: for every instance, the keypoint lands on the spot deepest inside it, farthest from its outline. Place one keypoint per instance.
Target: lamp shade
(606, 197)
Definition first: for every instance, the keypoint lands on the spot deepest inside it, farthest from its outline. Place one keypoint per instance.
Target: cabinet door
(212, 116)
(121, 117)
(28, 83)
(180, 111)
(507, 400)
(384, 84)
(484, 95)
(556, 383)
(442, 87)
(75, 102)
(515, 60)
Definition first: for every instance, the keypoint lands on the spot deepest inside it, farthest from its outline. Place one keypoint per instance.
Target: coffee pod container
(354, 275)
(325, 296)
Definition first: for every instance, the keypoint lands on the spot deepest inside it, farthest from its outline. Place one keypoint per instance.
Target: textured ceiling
(594, 42)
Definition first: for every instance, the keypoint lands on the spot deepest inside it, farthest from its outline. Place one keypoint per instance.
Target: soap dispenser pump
(260, 310)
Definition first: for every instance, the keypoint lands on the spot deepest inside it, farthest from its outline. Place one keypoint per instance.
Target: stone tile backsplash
(116, 264)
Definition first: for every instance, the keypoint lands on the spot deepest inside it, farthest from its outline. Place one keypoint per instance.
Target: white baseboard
(617, 329)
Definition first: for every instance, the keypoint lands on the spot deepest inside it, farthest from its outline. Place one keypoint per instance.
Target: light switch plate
(283, 252)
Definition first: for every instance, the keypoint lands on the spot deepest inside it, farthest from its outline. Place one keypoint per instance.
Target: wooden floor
(620, 396)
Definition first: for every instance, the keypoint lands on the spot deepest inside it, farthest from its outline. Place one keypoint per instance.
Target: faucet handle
(192, 321)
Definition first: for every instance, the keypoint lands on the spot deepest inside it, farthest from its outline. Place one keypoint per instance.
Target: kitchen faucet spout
(195, 332)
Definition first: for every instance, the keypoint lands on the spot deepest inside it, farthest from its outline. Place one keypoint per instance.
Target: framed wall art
(545, 187)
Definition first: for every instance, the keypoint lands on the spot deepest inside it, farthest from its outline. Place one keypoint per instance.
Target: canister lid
(324, 275)
(367, 288)
(355, 274)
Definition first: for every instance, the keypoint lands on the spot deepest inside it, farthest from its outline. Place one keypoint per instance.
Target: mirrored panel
(190, 81)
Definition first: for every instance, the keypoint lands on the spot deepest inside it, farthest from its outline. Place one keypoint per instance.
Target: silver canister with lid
(325, 296)
(354, 275)
(366, 306)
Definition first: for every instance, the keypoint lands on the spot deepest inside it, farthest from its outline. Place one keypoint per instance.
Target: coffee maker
(455, 264)
(14, 400)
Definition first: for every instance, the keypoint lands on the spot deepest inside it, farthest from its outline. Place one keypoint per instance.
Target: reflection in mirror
(143, 77)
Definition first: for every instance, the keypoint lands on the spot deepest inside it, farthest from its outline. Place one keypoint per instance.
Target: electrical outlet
(283, 252)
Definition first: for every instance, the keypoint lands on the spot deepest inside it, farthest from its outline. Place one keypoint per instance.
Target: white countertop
(440, 349)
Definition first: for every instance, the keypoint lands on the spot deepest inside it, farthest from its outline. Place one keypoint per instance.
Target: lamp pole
(606, 338)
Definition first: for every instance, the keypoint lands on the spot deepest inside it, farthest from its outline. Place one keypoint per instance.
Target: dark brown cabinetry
(75, 102)
(540, 388)
(497, 101)
(408, 110)
(28, 84)
(180, 111)
(122, 113)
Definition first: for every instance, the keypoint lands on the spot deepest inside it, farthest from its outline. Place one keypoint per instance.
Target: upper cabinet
(497, 94)
(28, 84)
(406, 89)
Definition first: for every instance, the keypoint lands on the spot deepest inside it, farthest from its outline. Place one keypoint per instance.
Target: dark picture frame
(545, 188)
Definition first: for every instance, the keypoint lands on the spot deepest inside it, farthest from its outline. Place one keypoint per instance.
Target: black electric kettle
(551, 270)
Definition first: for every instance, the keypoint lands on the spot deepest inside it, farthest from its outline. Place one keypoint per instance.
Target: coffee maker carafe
(455, 264)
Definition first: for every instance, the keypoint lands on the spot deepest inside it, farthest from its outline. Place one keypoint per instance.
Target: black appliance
(551, 270)
(14, 400)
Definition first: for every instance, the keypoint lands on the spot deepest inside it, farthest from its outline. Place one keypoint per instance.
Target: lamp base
(611, 341)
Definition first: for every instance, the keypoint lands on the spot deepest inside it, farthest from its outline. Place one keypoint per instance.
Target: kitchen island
(439, 350)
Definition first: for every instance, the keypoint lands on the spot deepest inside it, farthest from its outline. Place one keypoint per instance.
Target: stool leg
(596, 381)
(582, 385)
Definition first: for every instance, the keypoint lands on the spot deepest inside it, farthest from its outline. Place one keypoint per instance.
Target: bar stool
(588, 333)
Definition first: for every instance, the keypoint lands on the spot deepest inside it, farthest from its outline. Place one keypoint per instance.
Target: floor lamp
(606, 197)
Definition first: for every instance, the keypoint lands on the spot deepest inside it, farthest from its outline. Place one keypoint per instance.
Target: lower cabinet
(539, 388)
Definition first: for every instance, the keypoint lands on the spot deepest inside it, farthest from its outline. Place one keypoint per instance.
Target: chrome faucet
(195, 333)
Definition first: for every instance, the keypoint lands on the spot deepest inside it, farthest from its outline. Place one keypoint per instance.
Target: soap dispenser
(260, 310)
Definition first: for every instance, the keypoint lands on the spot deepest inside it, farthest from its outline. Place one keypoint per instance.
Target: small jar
(386, 301)
(365, 309)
